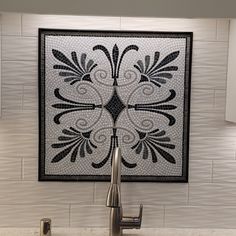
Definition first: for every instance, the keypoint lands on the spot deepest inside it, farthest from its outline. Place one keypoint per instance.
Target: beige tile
(30, 215)
(31, 23)
(209, 77)
(222, 29)
(30, 98)
(146, 193)
(32, 192)
(223, 194)
(202, 100)
(203, 29)
(211, 125)
(19, 72)
(12, 97)
(200, 171)
(10, 168)
(19, 48)
(11, 23)
(87, 216)
(220, 101)
(224, 171)
(210, 53)
(200, 217)
(212, 148)
(18, 145)
(30, 168)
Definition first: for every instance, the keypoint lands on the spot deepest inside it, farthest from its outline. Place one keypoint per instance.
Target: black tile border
(41, 103)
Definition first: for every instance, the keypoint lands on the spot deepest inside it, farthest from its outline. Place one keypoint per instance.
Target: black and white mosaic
(99, 90)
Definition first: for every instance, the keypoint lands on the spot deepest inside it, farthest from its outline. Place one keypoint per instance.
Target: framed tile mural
(102, 89)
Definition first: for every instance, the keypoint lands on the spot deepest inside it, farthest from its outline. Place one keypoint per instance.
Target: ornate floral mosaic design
(99, 90)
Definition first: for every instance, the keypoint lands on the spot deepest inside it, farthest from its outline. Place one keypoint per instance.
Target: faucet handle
(129, 222)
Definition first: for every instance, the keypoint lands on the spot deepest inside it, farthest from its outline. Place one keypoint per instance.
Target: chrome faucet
(117, 221)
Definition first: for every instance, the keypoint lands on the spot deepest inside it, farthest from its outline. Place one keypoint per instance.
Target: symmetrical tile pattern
(208, 200)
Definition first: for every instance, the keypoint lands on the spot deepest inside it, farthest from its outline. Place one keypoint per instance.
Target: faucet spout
(118, 222)
(114, 196)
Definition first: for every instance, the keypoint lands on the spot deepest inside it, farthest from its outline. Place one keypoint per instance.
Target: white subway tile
(11, 23)
(209, 77)
(31, 192)
(30, 215)
(210, 53)
(18, 145)
(224, 171)
(211, 125)
(212, 148)
(203, 29)
(20, 72)
(12, 97)
(200, 217)
(30, 98)
(223, 194)
(30, 168)
(98, 215)
(19, 48)
(200, 171)
(222, 29)
(146, 193)
(10, 169)
(31, 23)
(220, 101)
(202, 100)
(89, 216)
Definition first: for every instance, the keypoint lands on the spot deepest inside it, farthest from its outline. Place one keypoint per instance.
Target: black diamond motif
(115, 106)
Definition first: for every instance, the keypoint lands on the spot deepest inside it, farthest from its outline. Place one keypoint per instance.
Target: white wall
(208, 200)
(147, 8)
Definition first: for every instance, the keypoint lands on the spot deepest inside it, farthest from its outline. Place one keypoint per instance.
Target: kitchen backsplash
(208, 200)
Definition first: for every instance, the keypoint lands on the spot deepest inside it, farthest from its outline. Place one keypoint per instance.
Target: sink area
(105, 232)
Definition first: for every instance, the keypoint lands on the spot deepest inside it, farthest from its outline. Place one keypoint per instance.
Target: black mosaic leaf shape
(73, 71)
(158, 107)
(73, 142)
(113, 145)
(114, 59)
(70, 106)
(152, 143)
(157, 73)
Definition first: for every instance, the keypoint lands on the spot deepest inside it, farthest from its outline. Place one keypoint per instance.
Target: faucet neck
(114, 195)
(116, 167)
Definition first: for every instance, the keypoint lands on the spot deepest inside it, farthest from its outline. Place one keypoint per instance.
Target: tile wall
(208, 200)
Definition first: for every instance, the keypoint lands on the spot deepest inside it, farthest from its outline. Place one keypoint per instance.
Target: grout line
(22, 168)
(164, 216)
(188, 195)
(214, 99)
(212, 171)
(94, 189)
(69, 215)
(21, 16)
(1, 69)
(23, 97)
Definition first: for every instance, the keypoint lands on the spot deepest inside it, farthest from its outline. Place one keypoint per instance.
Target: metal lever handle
(129, 222)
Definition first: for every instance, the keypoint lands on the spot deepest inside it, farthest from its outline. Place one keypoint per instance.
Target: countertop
(104, 232)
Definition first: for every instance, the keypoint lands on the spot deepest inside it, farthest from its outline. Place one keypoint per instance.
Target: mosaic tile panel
(103, 89)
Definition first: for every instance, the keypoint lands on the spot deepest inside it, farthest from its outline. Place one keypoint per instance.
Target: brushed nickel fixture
(45, 227)
(117, 221)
